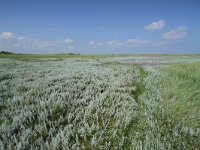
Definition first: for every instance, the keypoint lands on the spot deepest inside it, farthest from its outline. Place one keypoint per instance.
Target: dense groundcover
(84, 104)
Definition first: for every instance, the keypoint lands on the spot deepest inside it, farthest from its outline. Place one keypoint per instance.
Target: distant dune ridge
(5, 52)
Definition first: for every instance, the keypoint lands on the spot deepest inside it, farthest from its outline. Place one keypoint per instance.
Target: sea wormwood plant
(65, 104)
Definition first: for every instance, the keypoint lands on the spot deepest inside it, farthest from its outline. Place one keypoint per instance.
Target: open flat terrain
(99, 102)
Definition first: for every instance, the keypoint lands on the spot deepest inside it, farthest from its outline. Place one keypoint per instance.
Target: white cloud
(9, 41)
(69, 41)
(91, 43)
(21, 38)
(129, 42)
(155, 25)
(115, 43)
(178, 33)
(7, 35)
(95, 44)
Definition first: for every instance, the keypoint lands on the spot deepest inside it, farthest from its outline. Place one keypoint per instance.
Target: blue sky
(100, 26)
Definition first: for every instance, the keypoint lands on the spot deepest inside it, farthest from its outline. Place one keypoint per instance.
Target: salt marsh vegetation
(65, 105)
(90, 103)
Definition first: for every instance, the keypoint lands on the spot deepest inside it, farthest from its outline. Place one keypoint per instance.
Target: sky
(100, 26)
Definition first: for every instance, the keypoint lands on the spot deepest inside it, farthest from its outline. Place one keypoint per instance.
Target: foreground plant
(65, 105)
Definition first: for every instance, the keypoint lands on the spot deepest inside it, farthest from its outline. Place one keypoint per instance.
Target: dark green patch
(6, 95)
(111, 63)
(6, 77)
(131, 128)
(139, 89)
(22, 89)
(2, 107)
(56, 113)
(143, 73)
(139, 85)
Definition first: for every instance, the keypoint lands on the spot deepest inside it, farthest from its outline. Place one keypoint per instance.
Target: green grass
(181, 91)
(30, 57)
(33, 57)
(158, 126)
(112, 63)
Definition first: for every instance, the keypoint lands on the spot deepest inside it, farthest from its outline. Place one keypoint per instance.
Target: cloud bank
(10, 41)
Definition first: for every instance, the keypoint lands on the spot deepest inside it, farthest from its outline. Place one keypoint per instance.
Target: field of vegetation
(70, 102)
